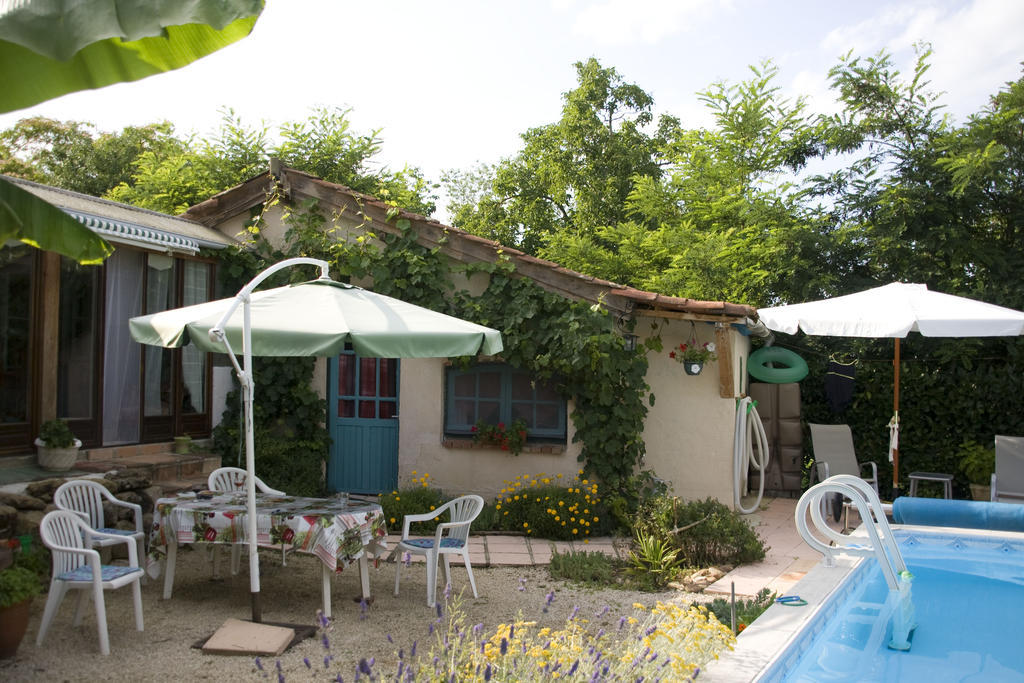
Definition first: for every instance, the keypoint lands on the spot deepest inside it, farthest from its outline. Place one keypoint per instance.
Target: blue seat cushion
(119, 532)
(107, 573)
(429, 542)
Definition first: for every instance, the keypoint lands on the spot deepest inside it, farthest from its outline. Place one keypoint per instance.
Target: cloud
(617, 22)
(977, 47)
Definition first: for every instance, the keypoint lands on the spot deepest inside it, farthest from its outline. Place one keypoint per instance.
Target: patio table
(338, 532)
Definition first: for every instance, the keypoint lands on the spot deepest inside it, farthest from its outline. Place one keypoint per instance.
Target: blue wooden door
(363, 410)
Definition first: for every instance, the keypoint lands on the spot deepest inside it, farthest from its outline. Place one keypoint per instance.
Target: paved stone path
(786, 561)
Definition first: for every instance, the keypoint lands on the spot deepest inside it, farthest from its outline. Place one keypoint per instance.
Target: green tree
(69, 154)
(573, 176)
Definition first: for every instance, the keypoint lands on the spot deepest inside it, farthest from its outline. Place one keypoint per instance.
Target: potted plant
(56, 447)
(977, 463)
(693, 356)
(18, 585)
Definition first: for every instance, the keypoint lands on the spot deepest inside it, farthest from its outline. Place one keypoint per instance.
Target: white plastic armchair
(85, 498)
(450, 538)
(77, 566)
(233, 479)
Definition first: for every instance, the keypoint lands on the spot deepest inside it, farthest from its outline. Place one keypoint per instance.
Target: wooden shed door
(363, 410)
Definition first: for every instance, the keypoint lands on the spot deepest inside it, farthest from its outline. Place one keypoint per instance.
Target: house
(418, 419)
(64, 344)
(688, 432)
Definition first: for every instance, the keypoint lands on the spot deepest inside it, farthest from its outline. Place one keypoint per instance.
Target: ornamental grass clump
(551, 507)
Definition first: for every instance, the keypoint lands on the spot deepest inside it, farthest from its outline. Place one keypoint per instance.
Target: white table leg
(364, 576)
(325, 574)
(169, 561)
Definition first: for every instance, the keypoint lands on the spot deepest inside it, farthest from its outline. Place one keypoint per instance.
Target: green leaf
(26, 217)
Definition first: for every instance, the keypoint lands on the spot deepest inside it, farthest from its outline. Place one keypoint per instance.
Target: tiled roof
(461, 244)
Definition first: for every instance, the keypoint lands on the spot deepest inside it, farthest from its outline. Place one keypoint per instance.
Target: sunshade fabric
(894, 310)
(318, 318)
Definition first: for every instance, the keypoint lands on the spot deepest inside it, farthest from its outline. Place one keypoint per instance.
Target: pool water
(969, 600)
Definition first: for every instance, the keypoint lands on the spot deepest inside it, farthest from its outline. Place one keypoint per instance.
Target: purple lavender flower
(407, 559)
(572, 669)
(504, 647)
(522, 584)
(487, 672)
(280, 677)
(305, 660)
(390, 639)
(364, 607)
(412, 653)
(364, 667)
(437, 608)
(511, 630)
(339, 679)
(575, 611)
(327, 660)
(622, 622)
(326, 643)
(548, 600)
(604, 611)
(259, 664)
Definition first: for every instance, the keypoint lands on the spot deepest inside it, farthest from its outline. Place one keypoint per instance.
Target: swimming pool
(968, 592)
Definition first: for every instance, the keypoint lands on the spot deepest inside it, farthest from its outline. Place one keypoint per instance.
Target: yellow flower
(526, 524)
(497, 506)
(596, 519)
(575, 531)
(393, 520)
(506, 512)
(432, 507)
(397, 498)
(639, 606)
(558, 476)
(414, 471)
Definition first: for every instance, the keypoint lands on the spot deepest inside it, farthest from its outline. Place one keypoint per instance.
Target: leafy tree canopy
(152, 167)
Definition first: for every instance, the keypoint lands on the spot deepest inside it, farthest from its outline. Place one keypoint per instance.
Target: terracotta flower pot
(13, 623)
(57, 459)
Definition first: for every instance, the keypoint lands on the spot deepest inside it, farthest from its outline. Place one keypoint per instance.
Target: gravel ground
(291, 594)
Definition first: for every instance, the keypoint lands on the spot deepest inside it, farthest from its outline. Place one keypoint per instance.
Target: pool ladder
(880, 544)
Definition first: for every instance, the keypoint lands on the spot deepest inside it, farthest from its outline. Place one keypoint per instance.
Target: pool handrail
(882, 544)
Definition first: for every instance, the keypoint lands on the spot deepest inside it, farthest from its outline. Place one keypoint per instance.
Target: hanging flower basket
(692, 355)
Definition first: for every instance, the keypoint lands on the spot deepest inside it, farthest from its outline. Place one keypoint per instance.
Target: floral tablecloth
(337, 532)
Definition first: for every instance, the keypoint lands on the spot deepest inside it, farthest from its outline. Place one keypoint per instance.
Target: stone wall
(21, 513)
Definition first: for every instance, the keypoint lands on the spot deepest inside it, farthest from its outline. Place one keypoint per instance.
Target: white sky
(455, 82)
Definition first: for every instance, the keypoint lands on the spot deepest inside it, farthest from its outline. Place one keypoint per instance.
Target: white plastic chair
(1008, 477)
(85, 498)
(77, 566)
(451, 538)
(226, 479)
(834, 454)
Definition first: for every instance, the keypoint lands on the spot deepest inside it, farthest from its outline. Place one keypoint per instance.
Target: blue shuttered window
(499, 393)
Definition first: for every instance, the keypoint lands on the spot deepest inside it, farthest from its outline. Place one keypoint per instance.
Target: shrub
(706, 532)
(664, 642)
(413, 500)
(582, 567)
(56, 434)
(624, 504)
(540, 507)
(977, 462)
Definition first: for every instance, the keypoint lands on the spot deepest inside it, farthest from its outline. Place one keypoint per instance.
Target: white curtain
(121, 355)
(160, 277)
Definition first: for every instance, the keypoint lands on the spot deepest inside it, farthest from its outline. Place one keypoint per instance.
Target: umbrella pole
(896, 412)
(250, 467)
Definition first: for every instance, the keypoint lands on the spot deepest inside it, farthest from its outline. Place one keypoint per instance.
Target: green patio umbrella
(315, 318)
(49, 48)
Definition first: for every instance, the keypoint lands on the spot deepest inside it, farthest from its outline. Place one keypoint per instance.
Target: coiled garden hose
(748, 428)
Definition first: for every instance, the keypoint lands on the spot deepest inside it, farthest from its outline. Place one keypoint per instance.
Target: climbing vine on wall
(571, 345)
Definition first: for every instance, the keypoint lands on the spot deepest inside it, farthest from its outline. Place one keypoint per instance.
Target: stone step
(155, 462)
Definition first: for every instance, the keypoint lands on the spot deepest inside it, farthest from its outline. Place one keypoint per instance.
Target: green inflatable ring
(794, 367)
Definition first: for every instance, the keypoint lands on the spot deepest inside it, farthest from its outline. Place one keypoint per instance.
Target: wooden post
(723, 349)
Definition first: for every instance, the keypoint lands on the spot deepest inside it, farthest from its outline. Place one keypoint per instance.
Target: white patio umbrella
(895, 310)
(316, 318)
